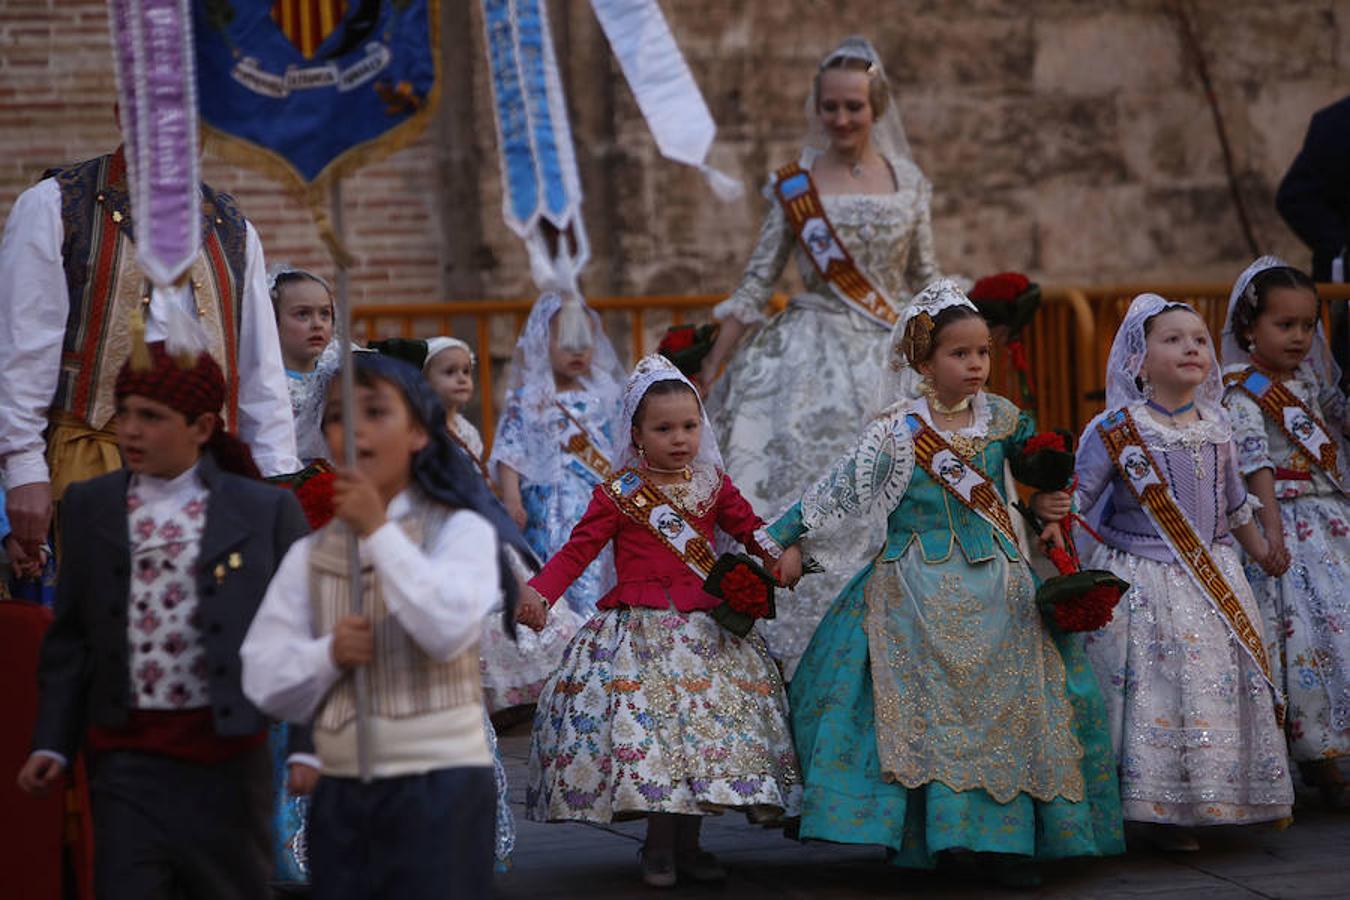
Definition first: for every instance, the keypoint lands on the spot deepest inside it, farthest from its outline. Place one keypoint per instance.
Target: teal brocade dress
(933, 709)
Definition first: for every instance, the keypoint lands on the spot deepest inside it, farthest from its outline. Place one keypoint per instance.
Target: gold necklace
(959, 406)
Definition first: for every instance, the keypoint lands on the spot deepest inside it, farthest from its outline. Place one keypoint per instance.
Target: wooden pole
(348, 384)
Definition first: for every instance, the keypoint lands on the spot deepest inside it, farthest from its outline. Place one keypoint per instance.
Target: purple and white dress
(1191, 715)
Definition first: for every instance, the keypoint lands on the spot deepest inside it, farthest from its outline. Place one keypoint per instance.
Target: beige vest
(404, 680)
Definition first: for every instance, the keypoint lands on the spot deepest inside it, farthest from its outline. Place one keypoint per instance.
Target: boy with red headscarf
(164, 563)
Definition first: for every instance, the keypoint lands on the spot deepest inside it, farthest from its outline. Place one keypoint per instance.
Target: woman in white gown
(796, 392)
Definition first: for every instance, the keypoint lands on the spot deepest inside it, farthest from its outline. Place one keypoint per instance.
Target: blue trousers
(416, 837)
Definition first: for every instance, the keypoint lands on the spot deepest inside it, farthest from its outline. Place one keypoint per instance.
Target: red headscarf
(192, 388)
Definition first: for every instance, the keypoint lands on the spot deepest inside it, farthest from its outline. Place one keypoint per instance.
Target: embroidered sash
(1300, 425)
(806, 214)
(1136, 465)
(959, 477)
(577, 442)
(644, 503)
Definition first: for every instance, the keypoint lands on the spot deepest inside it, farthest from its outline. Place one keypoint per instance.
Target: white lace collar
(979, 424)
(697, 494)
(1211, 428)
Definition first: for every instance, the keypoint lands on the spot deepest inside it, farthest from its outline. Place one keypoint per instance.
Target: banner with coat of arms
(309, 90)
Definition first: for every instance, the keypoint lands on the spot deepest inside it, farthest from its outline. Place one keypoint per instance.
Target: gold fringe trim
(314, 194)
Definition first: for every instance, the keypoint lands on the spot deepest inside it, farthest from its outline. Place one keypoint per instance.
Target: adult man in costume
(69, 285)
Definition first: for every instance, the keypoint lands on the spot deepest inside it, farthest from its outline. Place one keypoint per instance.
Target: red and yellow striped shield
(306, 23)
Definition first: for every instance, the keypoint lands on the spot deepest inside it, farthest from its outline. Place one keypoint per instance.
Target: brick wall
(1066, 139)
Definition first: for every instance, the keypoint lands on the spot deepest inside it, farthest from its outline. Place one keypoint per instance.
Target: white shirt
(439, 597)
(34, 304)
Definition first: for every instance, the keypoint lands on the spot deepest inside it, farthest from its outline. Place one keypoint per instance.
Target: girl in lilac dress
(1182, 664)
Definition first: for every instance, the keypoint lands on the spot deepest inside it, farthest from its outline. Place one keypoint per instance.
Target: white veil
(651, 369)
(540, 458)
(1319, 358)
(888, 132)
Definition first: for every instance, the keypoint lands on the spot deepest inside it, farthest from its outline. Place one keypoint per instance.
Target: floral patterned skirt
(1192, 718)
(1307, 625)
(661, 711)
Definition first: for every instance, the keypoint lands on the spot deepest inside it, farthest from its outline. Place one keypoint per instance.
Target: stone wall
(1068, 139)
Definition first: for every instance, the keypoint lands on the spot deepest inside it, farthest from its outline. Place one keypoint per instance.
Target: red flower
(1087, 612)
(1003, 287)
(316, 499)
(745, 592)
(1045, 440)
(677, 338)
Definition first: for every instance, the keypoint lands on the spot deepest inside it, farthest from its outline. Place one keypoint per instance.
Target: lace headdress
(910, 337)
(888, 133)
(1123, 385)
(651, 369)
(1318, 360)
(531, 385)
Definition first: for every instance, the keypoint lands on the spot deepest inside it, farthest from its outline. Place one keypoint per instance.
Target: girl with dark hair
(1290, 419)
(434, 537)
(656, 710)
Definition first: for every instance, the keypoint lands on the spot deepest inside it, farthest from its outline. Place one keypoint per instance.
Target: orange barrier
(1067, 343)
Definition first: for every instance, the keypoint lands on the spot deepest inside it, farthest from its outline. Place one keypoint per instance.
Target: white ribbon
(663, 86)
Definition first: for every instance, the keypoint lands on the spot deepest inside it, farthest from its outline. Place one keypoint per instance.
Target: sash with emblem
(806, 214)
(645, 504)
(1300, 425)
(578, 444)
(1136, 465)
(959, 477)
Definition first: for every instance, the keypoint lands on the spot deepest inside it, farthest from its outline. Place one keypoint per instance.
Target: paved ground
(1309, 860)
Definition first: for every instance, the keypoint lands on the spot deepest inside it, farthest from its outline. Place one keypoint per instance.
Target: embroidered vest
(104, 284)
(404, 680)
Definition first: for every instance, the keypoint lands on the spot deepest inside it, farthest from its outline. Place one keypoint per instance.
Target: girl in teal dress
(934, 709)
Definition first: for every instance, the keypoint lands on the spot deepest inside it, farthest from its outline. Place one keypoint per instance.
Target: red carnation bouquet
(746, 592)
(1076, 599)
(687, 345)
(1010, 300)
(313, 487)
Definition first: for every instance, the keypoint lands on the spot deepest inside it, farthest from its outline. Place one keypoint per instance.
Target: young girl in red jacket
(656, 709)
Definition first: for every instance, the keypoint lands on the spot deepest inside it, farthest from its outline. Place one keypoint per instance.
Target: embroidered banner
(644, 503)
(959, 477)
(806, 215)
(157, 105)
(309, 90)
(577, 442)
(1301, 426)
(1137, 466)
(540, 183)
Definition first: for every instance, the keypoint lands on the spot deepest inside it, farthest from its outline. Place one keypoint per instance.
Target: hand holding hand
(301, 779)
(23, 565)
(1276, 561)
(532, 609)
(1051, 506)
(788, 570)
(40, 773)
(356, 502)
(353, 642)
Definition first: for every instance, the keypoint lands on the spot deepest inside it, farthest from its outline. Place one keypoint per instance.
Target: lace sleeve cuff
(766, 543)
(1244, 513)
(743, 306)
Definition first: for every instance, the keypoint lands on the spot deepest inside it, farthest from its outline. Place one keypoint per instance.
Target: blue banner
(314, 88)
